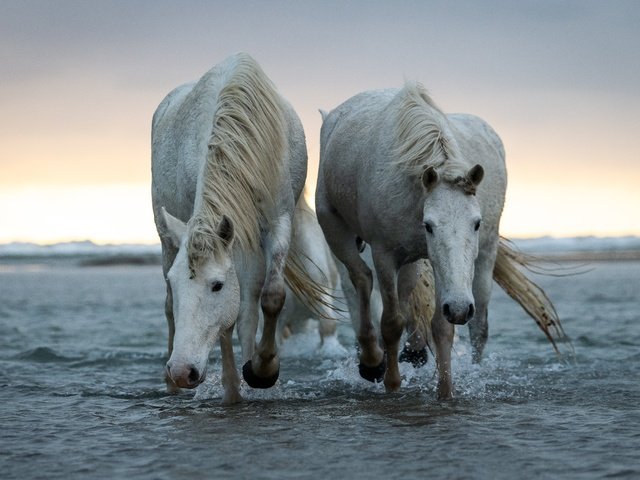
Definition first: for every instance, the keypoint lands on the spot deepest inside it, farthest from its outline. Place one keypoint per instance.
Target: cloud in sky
(557, 80)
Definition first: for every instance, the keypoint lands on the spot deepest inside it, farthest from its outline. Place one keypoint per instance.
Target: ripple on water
(44, 355)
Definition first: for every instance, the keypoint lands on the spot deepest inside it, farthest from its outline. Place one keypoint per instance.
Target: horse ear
(429, 178)
(323, 114)
(476, 174)
(225, 231)
(172, 227)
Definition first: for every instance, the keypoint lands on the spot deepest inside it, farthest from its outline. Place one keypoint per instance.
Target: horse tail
(422, 303)
(316, 295)
(246, 149)
(523, 290)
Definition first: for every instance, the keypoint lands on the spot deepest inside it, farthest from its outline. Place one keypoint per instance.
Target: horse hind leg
(415, 349)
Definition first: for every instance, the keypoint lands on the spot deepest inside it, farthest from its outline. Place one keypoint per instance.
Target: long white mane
(244, 160)
(423, 137)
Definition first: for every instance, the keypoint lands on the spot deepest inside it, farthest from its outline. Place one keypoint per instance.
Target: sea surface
(82, 351)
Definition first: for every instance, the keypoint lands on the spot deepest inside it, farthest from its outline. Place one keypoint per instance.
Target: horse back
(173, 170)
(351, 145)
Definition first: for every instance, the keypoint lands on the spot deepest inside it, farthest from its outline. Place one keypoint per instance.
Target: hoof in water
(373, 374)
(417, 358)
(255, 381)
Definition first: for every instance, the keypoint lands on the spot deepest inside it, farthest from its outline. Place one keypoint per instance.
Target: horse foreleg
(443, 338)
(392, 322)
(264, 367)
(482, 283)
(168, 256)
(230, 378)
(343, 245)
(252, 279)
(168, 311)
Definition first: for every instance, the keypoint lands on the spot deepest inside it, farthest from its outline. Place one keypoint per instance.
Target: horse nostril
(446, 310)
(194, 375)
(471, 311)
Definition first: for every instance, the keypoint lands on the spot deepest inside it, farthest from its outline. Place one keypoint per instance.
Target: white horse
(229, 162)
(407, 179)
(309, 245)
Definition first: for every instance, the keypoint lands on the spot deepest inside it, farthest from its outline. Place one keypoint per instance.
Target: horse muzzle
(458, 314)
(185, 375)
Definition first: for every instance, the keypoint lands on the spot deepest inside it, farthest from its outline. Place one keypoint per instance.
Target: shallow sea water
(81, 392)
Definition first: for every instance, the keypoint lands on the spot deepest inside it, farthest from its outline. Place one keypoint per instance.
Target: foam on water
(307, 345)
(333, 366)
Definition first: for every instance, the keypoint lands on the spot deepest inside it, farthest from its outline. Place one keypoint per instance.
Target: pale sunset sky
(79, 81)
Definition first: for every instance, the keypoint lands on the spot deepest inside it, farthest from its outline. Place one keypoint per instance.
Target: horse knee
(272, 299)
(441, 329)
(362, 280)
(479, 334)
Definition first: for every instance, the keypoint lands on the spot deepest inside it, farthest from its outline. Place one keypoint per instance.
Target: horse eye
(216, 286)
(428, 227)
(477, 227)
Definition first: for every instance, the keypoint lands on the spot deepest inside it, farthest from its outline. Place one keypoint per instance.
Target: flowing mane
(244, 160)
(423, 137)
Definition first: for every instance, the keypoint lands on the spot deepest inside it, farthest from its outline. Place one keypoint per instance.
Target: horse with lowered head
(229, 162)
(413, 183)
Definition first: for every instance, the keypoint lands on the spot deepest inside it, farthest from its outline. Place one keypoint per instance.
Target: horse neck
(244, 160)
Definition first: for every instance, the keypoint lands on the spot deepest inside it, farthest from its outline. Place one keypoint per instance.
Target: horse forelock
(465, 184)
(203, 242)
(423, 137)
(241, 175)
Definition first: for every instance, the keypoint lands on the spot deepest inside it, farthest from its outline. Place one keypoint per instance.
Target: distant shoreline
(88, 254)
(588, 256)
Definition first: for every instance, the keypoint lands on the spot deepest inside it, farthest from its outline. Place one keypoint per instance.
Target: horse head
(206, 294)
(452, 217)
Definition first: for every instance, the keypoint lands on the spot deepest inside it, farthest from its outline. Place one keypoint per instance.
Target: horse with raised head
(229, 162)
(413, 183)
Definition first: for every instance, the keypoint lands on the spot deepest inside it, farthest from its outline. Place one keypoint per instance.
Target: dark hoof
(373, 374)
(255, 381)
(417, 358)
